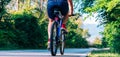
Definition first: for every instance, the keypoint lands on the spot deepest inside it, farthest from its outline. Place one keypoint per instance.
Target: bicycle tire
(62, 42)
(53, 38)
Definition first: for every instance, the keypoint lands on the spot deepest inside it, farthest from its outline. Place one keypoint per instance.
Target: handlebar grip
(77, 15)
(73, 15)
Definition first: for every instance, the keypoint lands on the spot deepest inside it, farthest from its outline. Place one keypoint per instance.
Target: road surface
(45, 53)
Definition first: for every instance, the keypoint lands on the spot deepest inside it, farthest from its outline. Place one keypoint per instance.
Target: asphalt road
(45, 53)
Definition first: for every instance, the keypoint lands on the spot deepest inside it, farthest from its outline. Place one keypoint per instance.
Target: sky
(92, 25)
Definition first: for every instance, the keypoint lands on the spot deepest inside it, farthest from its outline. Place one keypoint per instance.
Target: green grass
(103, 53)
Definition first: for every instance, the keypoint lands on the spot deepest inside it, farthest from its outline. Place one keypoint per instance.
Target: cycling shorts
(62, 5)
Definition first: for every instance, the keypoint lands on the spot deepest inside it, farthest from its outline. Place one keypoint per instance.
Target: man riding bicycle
(66, 8)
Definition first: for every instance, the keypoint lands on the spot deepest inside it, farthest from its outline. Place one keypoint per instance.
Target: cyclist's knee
(50, 20)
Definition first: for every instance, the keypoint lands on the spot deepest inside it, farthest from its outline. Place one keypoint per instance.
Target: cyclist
(66, 8)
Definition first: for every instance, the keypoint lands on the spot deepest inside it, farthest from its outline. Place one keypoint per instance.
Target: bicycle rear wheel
(53, 38)
(62, 42)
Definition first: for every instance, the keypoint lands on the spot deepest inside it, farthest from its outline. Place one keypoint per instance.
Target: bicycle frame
(59, 20)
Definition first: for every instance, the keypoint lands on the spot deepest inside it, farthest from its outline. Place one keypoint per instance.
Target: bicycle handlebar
(72, 15)
(77, 14)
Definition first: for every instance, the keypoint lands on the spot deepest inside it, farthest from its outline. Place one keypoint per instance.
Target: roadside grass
(103, 53)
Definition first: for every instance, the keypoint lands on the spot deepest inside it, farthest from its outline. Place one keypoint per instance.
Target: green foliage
(112, 36)
(3, 3)
(81, 5)
(5, 39)
(30, 25)
(10, 39)
(97, 42)
(103, 53)
(86, 3)
(27, 28)
(109, 14)
(74, 37)
(104, 42)
(23, 30)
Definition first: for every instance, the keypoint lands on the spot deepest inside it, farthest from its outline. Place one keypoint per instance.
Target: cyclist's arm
(70, 7)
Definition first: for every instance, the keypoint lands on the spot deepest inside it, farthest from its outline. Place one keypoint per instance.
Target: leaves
(24, 25)
(112, 4)
(109, 14)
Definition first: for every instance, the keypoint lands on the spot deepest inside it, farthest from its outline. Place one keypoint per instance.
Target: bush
(75, 40)
(74, 37)
(29, 24)
(112, 37)
(116, 44)
(6, 39)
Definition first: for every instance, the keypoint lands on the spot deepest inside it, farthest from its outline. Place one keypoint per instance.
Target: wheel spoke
(62, 43)
(53, 39)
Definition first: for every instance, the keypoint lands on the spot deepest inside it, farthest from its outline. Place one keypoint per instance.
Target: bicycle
(57, 34)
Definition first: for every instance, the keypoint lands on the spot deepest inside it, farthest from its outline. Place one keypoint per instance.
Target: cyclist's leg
(65, 19)
(64, 23)
(64, 9)
(50, 6)
(49, 26)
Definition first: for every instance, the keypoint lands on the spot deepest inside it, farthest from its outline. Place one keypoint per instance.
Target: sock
(64, 26)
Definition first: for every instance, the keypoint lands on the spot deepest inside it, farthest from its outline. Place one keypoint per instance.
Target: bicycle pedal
(64, 31)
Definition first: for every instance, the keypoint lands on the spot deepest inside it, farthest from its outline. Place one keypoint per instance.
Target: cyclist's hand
(71, 15)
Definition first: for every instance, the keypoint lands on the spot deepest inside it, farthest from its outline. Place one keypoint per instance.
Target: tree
(3, 3)
(97, 42)
(75, 38)
(25, 29)
(27, 26)
(110, 17)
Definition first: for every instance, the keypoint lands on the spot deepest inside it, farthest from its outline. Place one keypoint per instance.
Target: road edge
(90, 52)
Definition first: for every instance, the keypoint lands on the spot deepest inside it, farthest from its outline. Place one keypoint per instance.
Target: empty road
(73, 52)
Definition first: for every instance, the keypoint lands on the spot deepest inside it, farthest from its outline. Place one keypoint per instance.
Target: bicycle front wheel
(62, 42)
(53, 39)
